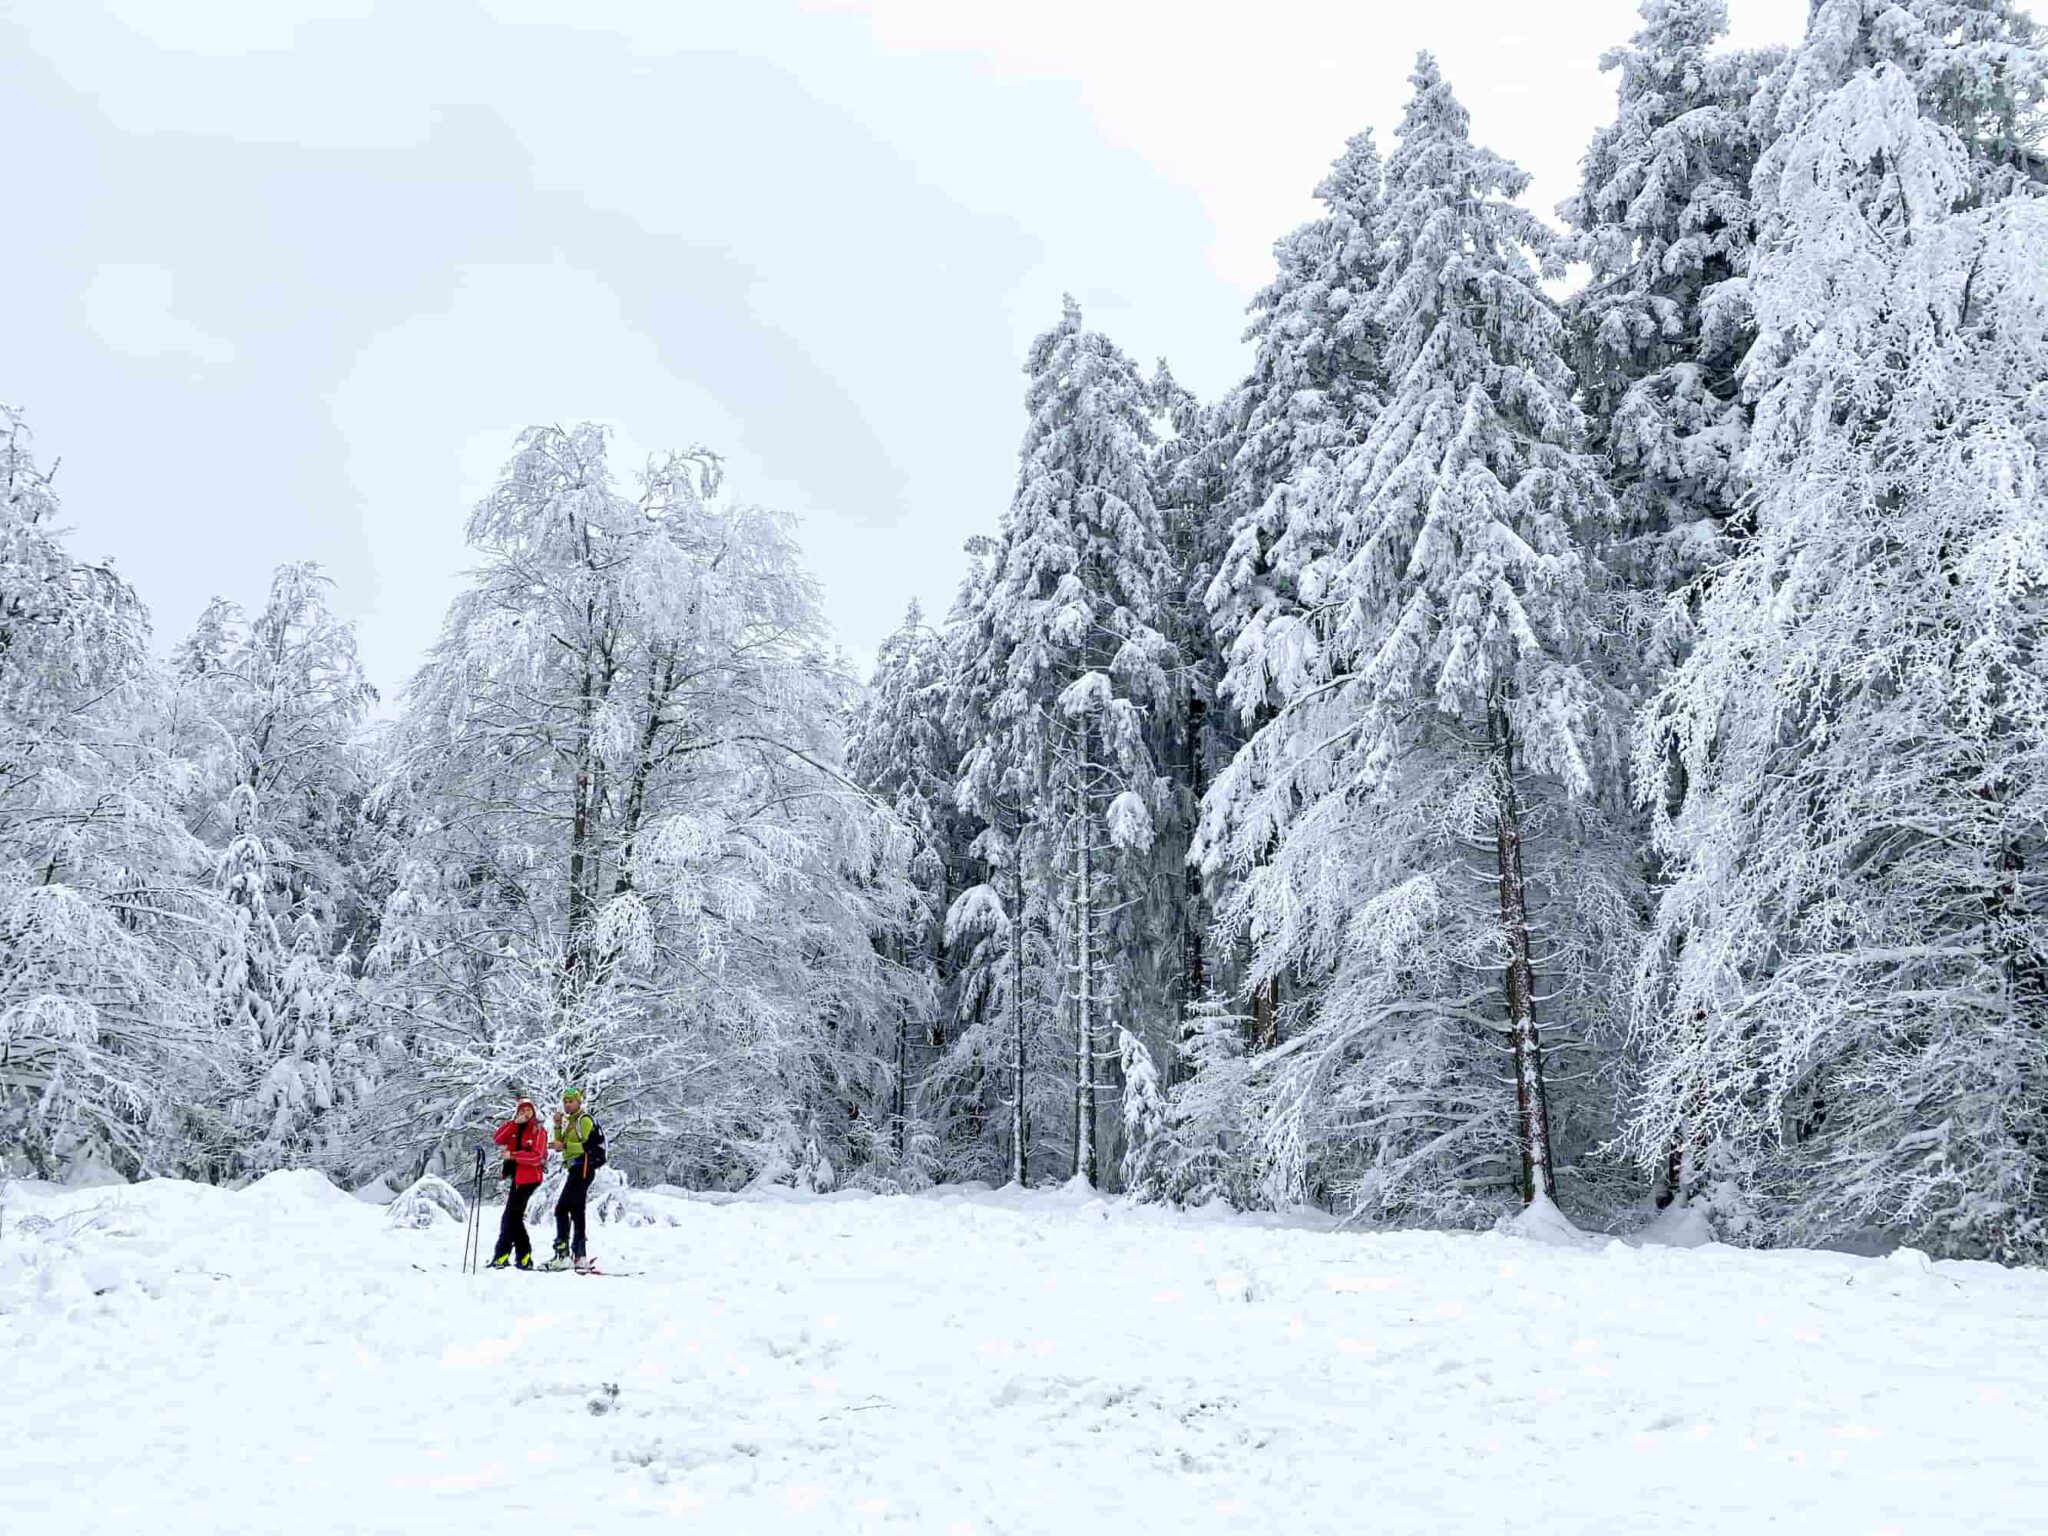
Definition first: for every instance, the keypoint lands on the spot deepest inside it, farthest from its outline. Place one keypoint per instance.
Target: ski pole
(476, 1252)
(472, 1244)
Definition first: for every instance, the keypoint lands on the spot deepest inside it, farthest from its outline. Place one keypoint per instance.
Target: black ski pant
(512, 1236)
(569, 1209)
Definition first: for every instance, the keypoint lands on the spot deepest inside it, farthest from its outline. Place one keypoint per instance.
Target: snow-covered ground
(180, 1359)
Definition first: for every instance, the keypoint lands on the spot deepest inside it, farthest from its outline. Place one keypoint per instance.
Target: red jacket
(527, 1146)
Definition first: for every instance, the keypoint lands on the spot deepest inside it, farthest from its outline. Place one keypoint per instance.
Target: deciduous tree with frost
(1843, 1004)
(635, 863)
(106, 916)
(268, 710)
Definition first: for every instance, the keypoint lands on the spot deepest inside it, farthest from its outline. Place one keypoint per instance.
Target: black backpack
(594, 1156)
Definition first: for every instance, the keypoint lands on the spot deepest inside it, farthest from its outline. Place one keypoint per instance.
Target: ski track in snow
(181, 1358)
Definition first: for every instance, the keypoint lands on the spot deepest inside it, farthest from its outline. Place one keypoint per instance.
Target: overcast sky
(282, 280)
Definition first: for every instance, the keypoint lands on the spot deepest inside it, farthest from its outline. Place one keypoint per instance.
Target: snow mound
(1678, 1226)
(1243, 1285)
(91, 1173)
(378, 1191)
(1542, 1222)
(289, 1187)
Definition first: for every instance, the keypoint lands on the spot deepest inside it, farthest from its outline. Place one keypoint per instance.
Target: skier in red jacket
(525, 1141)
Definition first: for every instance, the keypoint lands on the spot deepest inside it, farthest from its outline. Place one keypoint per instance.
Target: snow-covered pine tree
(1663, 218)
(901, 749)
(1205, 1145)
(247, 984)
(1003, 1077)
(1003, 1082)
(1317, 383)
(106, 916)
(976, 1096)
(1423, 817)
(1844, 1003)
(1190, 478)
(1077, 667)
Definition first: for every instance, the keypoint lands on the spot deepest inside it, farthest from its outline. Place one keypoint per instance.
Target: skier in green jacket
(580, 1141)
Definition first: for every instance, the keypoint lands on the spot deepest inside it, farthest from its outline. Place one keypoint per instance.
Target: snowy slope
(272, 1361)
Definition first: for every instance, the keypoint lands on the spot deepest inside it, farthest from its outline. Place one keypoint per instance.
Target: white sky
(281, 279)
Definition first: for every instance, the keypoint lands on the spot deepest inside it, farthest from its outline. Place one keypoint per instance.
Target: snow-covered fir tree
(1843, 1003)
(901, 748)
(248, 981)
(1316, 385)
(1663, 218)
(1423, 821)
(1002, 1079)
(1316, 382)
(1077, 671)
(1190, 481)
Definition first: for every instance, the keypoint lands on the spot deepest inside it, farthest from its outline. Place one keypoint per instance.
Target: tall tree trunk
(1084, 996)
(902, 1078)
(600, 670)
(1019, 1123)
(1532, 1106)
(661, 683)
(1266, 1014)
(1194, 982)
(579, 845)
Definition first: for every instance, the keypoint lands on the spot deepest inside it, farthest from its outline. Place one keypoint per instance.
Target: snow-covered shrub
(1144, 1107)
(540, 1208)
(425, 1201)
(608, 1200)
(1198, 1152)
(872, 1181)
(814, 1172)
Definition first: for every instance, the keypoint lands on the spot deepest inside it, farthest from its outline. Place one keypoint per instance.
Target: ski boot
(502, 1261)
(586, 1265)
(525, 1262)
(560, 1259)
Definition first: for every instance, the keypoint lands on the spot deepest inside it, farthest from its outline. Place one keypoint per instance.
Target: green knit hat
(573, 1093)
